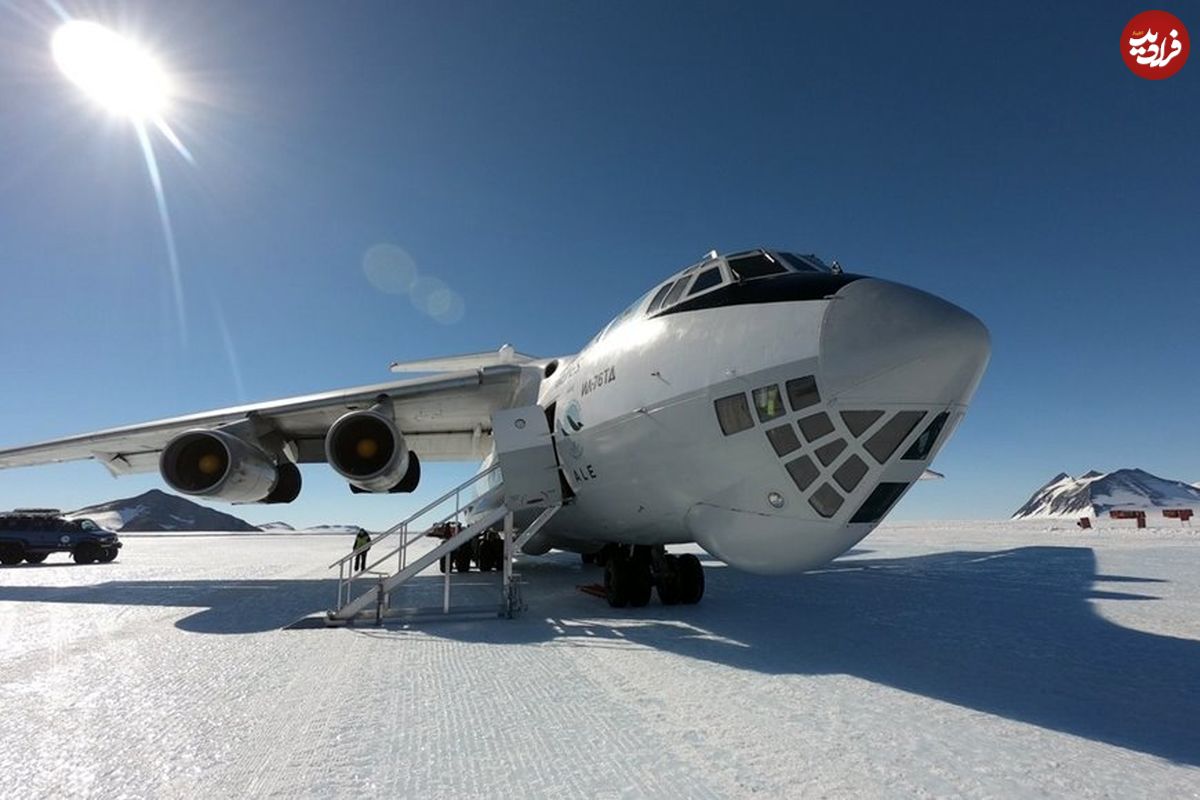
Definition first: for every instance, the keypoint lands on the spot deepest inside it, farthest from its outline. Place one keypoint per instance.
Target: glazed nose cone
(884, 342)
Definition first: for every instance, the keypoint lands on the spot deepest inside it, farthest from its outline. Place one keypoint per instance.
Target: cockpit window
(658, 298)
(628, 312)
(706, 280)
(676, 291)
(754, 265)
(619, 319)
(809, 263)
(87, 525)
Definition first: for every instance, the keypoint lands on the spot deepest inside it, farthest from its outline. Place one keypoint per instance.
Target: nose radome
(881, 341)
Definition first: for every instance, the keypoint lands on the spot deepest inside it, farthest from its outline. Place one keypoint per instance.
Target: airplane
(762, 404)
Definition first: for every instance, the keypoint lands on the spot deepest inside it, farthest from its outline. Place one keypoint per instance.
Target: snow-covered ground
(966, 660)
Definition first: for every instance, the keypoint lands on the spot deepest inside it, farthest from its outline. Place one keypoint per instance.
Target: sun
(112, 70)
(128, 81)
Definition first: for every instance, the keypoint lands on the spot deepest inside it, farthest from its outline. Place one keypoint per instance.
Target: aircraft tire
(11, 554)
(643, 587)
(691, 579)
(641, 577)
(462, 560)
(494, 551)
(669, 589)
(616, 582)
(107, 555)
(442, 564)
(36, 558)
(85, 553)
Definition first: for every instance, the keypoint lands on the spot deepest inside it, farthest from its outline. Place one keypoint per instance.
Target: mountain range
(1095, 493)
(158, 511)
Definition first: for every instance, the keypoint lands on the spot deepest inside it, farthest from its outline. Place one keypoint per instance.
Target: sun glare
(112, 70)
(128, 81)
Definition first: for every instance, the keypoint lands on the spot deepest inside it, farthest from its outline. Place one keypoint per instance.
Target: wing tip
(507, 354)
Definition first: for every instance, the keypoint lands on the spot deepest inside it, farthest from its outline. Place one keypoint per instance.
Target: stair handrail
(347, 575)
(402, 526)
(386, 585)
(404, 543)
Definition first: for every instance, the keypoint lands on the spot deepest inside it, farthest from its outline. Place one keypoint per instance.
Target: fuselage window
(768, 402)
(816, 426)
(757, 265)
(825, 500)
(802, 392)
(658, 298)
(924, 443)
(706, 280)
(850, 473)
(803, 471)
(882, 499)
(885, 440)
(733, 413)
(783, 439)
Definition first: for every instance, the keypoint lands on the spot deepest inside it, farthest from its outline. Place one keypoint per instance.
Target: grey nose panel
(882, 340)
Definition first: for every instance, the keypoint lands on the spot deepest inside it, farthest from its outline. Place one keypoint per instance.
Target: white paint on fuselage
(650, 446)
(640, 443)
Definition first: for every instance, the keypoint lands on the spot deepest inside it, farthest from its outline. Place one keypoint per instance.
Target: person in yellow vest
(361, 539)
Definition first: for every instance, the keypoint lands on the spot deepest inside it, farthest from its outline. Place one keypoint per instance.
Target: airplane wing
(443, 418)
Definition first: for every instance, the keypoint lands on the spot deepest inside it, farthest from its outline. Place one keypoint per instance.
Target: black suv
(34, 533)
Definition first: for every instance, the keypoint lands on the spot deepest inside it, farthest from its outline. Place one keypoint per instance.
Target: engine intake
(367, 449)
(212, 463)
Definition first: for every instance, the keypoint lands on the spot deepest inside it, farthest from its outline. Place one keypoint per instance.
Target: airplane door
(565, 486)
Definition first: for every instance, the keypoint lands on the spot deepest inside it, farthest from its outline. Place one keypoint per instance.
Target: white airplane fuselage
(649, 461)
(763, 405)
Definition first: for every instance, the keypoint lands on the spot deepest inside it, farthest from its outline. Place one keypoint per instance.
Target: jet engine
(213, 463)
(368, 450)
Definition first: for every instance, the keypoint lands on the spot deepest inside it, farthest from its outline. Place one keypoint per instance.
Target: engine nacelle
(368, 450)
(212, 463)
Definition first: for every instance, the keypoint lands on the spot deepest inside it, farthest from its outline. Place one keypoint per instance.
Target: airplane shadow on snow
(1010, 633)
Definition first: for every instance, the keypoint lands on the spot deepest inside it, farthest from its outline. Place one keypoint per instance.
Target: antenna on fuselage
(710, 254)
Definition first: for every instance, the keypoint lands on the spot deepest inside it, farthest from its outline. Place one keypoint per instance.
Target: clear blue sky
(550, 161)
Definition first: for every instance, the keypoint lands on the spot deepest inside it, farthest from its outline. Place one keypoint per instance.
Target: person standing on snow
(361, 539)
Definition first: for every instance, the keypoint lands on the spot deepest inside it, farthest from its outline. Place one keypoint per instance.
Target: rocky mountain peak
(1095, 493)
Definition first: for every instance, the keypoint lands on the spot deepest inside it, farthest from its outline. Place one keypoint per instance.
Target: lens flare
(112, 70)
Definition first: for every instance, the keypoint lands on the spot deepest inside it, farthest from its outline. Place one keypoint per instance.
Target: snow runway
(974, 659)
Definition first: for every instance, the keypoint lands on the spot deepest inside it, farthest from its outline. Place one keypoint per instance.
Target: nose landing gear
(631, 572)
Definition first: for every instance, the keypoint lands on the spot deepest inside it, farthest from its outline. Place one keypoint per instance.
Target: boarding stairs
(524, 478)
